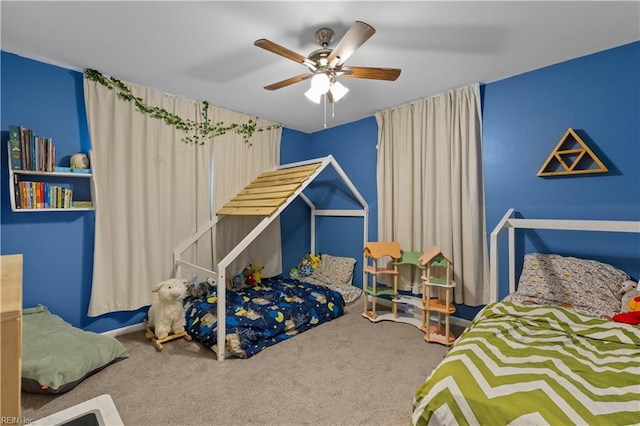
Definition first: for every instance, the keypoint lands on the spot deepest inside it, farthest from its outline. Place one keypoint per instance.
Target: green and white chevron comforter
(534, 365)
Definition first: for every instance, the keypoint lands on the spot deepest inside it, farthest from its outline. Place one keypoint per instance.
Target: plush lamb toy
(166, 314)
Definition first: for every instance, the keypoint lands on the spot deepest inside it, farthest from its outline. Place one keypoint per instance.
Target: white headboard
(511, 223)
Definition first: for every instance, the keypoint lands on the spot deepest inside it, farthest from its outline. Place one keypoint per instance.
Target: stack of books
(30, 152)
(42, 195)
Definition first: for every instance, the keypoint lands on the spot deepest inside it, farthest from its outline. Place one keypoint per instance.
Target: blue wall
(57, 247)
(353, 146)
(524, 117)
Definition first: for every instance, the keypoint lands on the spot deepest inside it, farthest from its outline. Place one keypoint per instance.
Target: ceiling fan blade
(390, 74)
(354, 38)
(288, 81)
(280, 50)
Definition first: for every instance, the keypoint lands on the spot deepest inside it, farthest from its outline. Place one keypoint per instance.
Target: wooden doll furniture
(409, 303)
(437, 276)
(375, 253)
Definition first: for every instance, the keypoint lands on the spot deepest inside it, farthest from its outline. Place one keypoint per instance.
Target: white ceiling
(204, 50)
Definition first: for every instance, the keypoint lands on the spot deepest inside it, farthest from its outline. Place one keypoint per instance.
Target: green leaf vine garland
(195, 133)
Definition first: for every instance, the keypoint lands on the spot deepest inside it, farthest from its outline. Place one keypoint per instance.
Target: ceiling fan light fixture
(321, 82)
(326, 64)
(313, 95)
(338, 90)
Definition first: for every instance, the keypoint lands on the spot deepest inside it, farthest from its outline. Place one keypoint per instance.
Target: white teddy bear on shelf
(166, 314)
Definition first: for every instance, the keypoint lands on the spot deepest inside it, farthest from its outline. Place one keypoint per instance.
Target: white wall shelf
(58, 178)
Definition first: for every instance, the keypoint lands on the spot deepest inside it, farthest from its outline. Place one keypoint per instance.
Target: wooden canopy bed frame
(267, 196)
(534, 358)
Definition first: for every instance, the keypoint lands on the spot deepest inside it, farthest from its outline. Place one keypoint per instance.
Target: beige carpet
(349, 371)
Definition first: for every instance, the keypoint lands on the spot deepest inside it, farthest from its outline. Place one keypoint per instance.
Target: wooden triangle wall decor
(571, 156)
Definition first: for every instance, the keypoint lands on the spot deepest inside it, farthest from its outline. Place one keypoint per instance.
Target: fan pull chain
(325, 111)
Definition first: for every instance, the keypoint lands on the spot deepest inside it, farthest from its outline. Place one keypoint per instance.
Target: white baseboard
(124, 330)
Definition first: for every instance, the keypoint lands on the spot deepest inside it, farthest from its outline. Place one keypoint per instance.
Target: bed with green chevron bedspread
(534, 365)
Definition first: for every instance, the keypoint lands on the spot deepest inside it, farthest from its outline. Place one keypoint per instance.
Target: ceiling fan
(326, 65)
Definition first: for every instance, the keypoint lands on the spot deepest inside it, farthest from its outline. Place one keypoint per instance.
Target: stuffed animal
(257, 273)
(625, 287)
(314, 260)
(250, 281)
(239, 280)
(630, 301)
(167, 314)
(249, 276)
(201, 289)
(305, 268)
(629, 304)
(294, 274)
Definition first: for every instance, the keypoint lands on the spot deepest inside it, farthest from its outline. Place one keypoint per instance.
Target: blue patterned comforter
(258, 317)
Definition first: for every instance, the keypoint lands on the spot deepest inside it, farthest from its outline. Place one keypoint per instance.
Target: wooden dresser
(10, 338)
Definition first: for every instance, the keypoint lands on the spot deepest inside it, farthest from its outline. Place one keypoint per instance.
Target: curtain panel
(153, 191)
(430, 185)
(236, 165)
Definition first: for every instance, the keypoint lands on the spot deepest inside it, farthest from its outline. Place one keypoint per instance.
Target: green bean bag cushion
(56, 356)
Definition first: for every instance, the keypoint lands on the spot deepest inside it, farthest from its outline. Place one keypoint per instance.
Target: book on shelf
(17, 192)
(82, 204)
(30, 152)
(43, 195)
(14, 132)
(37, 200)
(70, 170)
(15, 147)
(15, 150)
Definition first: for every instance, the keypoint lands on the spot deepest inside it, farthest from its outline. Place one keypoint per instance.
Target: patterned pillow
(585, 286)
(334, 269)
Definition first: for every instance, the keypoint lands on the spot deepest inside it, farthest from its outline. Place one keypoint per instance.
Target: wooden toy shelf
(435, 273)
(439, 331)
(374, 291)
(375, 252)
(437, 276)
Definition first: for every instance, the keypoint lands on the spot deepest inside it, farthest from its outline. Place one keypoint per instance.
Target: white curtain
(236, 165)
(152, 191)
(430, 184)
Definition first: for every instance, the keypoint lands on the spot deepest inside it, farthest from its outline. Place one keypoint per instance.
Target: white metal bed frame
(221, 270)
(510, 223)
